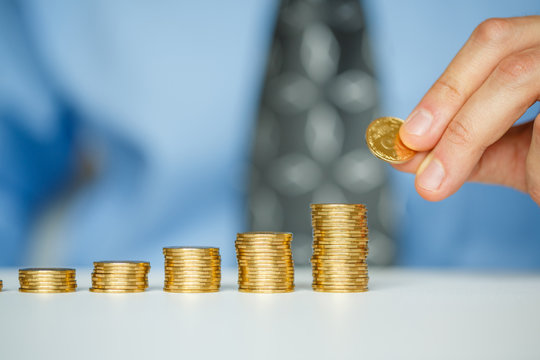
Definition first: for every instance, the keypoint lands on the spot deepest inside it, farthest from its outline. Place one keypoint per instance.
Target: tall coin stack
(265, 263)
(192, 269)
(47, 280)
(120, 276)
(1, 285)
(340, 247)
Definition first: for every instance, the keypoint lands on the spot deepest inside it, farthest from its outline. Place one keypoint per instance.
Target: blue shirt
(160, 96)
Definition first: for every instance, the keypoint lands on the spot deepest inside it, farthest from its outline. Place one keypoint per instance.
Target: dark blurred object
(318, 99)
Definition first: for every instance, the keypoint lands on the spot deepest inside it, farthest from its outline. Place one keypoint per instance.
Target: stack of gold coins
(1, 285)
(340, 247)
(47, 280)
(192, 269)
(120, 276)
(265, 263)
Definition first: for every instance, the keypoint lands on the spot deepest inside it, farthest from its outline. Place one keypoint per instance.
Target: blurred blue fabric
(163, 96)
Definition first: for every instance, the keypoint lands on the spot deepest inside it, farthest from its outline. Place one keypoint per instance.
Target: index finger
(491, 41)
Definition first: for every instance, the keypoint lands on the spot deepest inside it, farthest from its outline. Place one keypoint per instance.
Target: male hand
(462, 128)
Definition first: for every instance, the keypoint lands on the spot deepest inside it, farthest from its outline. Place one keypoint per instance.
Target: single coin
(115, 291)
(187, 284)
(337, 206)
(382, 138)
(338, 290)
(188, 248)
(193, 258)
(265, 291)
(46, 291)
(191, 283)
(194, 291)
(44, 270)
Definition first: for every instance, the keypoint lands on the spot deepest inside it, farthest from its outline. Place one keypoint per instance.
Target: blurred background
(129, 126)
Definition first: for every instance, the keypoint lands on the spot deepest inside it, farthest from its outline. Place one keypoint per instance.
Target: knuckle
(493, 31)
(449, 90)
(536, 130)
(534, 192)
(517, 67)
(458, 134)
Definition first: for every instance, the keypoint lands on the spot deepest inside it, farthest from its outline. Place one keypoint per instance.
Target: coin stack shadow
(192, 269)
(47, 280)
(340, 247)
(120, 276)
(265, 263)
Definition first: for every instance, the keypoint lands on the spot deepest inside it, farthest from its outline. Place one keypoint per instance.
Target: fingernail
(418, 123)
(430, 174)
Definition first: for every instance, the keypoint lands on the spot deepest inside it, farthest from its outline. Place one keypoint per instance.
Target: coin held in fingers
(382, 138)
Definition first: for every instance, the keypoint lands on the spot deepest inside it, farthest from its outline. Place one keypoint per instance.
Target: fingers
(492, 41)
(485, 117)
(504, 162)
(533, 163)
(412, 165)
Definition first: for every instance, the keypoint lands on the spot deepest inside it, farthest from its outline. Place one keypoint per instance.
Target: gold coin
(190, 290)
(337, 205)
(192, 286)
(193, 269)
(356, 265)
(188, 284)
(339, 212)
(190, 248)
(266, 277)
(339, 290)
(342, 284)
(265, 291)
(255, 245)
(267, 286)
(267, 260)
(382, 138)
(261, 275)
(192, 276)
(340, 278)
(47, 291)
(140, 272)
(339, 274)
(115, 291)
(46, 270)
(339, 243)
(43, 284)
(266, 250)
(122, 262)
(340, 233)
(47, 277)
(119, 281)
(264, 233)
(169, 278)
(189, 259)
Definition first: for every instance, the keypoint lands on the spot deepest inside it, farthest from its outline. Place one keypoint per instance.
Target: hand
(462, 127)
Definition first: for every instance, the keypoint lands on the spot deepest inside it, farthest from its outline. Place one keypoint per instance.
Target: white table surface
(407, 314)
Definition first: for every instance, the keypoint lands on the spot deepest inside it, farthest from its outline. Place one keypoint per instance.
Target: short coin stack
(340, 247)
(192, 269)
(47, 280)
(265, 263)
(120, 276)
